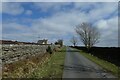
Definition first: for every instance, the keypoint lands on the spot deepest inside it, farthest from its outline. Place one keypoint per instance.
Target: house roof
(41, 41)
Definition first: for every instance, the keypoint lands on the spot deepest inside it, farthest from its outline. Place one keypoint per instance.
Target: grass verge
(52, 67)
(23, 67)
(104, 64)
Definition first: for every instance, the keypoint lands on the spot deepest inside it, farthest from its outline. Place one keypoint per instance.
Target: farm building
(44, 41)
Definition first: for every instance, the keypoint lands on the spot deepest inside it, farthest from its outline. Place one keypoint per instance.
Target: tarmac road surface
(78, 66)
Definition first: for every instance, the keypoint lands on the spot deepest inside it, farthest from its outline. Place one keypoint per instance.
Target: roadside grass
(22, 68)
(52, 67)
(104, 64)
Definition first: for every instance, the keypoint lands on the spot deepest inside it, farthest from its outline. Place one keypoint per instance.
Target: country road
(78, 66)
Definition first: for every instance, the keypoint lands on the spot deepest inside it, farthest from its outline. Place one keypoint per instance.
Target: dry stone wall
(11, 53)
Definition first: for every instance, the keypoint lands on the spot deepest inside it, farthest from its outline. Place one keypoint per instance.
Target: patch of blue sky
(113, 14)
(87, 9)
(67, 7)
(6, 18)
(51, 11)
(0, 17)
(35, 13)
(106, 17)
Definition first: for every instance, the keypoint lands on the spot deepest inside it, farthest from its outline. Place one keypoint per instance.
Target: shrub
(49, 50)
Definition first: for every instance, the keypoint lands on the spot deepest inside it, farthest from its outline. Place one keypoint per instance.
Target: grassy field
(52, 67)
(104, 64)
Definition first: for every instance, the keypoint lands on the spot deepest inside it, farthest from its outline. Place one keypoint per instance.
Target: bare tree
(74, 41)
(89, 35)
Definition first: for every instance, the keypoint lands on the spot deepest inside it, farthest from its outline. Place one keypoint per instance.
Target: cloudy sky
(30, 21)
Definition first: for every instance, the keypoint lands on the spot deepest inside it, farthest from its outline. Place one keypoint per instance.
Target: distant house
(44, 41)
